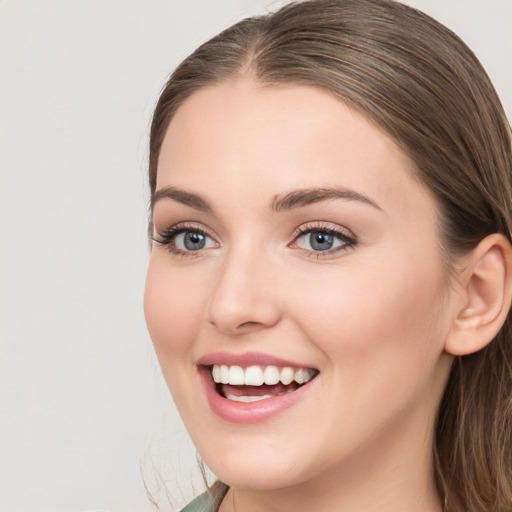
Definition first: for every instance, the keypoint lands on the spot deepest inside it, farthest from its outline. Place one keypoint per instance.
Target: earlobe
(485, 295)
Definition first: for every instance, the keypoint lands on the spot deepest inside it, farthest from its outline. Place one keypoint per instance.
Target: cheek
(378, 317)
(172, 308)
(381, 344)
(173, 311)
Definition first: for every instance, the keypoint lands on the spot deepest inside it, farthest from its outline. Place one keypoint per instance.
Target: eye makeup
(185, 239)
(317, 239)
(324, 239)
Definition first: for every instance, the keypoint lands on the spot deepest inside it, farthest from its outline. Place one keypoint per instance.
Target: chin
(255, 476)
(253, 465)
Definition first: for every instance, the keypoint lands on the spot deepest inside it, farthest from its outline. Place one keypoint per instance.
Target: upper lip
(247, 359)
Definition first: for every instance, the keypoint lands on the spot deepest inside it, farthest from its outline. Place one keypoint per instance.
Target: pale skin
(378, 315)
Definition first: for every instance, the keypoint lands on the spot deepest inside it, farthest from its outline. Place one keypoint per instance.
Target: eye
(323, 239)
(190, 241)
(185, 240)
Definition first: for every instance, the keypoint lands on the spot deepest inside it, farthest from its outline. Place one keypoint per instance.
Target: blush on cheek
(361, 314)
(171, 315)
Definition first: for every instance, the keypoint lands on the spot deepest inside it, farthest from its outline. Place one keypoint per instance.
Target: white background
(82, 405)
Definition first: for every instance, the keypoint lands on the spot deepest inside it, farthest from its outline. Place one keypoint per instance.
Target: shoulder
(203, 503)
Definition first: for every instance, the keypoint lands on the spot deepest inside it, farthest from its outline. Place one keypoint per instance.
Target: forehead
(252, 140)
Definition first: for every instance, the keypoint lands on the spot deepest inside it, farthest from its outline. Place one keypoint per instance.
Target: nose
(244, 298)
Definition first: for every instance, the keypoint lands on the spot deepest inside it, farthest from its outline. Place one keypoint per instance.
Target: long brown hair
(422, 85)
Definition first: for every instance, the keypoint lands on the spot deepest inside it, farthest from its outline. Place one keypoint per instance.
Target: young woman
(331, 272)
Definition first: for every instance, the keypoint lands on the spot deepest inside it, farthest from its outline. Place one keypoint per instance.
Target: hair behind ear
(472, 450)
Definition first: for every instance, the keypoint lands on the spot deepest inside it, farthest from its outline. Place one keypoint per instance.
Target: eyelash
(168, 238)
(348, 240)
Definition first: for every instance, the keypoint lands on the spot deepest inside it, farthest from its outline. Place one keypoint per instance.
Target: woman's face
(293, 242)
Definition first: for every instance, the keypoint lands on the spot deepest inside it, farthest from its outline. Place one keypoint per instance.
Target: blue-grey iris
(321, 241)
(193, 240)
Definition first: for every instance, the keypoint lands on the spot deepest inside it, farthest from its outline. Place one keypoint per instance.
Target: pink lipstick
(253, 387)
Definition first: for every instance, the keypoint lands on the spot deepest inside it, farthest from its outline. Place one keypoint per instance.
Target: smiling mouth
(255, 383)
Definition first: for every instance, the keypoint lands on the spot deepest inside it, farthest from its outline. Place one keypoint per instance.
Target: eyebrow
(181, 196)
(307, 196)
(291, 200)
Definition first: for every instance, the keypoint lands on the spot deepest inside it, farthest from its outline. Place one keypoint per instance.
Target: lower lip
(253, 412)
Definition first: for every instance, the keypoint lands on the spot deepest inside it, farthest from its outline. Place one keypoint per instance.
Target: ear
(484, 287)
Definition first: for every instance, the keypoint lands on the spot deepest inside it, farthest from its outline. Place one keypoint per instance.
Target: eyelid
(323, 226)
(343, 234)
(185, 226)
(166, 237)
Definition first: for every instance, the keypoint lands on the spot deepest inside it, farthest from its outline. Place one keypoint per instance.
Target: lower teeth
(255, 398)
(247, 399)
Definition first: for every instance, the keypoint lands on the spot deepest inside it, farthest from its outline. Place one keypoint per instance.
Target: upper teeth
(257, 375)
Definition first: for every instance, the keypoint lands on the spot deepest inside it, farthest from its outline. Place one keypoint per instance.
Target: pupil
(321, 241)
(194, 241)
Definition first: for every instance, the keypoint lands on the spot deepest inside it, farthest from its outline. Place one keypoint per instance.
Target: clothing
(203, 503)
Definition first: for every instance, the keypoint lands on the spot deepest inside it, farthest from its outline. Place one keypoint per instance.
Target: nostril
(249, 325)
(234, 328)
